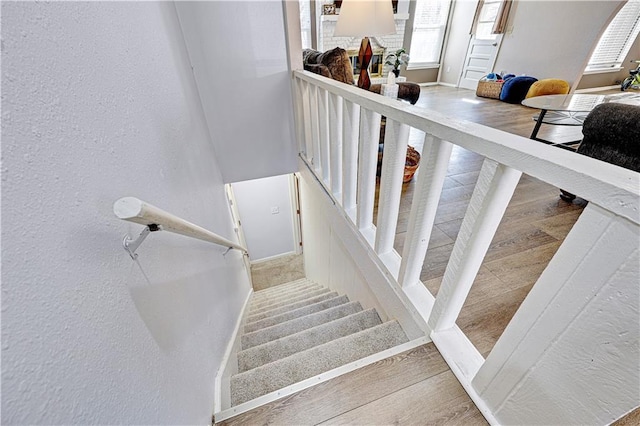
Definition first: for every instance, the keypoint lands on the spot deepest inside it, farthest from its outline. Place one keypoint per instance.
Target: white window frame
(616, 41)
(419, 26)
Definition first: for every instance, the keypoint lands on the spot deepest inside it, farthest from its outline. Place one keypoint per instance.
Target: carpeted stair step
(296, 297)
(296, 325)
(289, 345)
(267, 300)
(296, 313)
(283, 288)
(302, 365)
(290, 306)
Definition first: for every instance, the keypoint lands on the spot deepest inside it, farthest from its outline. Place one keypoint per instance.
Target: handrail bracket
(131, 245)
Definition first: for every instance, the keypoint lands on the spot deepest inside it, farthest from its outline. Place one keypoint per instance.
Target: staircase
(299, 330)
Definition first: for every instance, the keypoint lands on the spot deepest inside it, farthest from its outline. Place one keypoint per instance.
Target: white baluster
(428, 188)
(488, 203)
(393, 160)
(335, 143)
(368, 149)
(350, 127)
(304, 126)
(323, 120)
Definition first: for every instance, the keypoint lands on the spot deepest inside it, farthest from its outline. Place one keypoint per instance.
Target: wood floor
(417, 387)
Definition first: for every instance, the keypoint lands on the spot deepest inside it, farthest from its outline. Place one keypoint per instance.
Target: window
(305, 24)
(617, 39)
(487, 19)
(429, 24)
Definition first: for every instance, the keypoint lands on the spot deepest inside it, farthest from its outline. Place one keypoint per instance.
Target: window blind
(615, 42)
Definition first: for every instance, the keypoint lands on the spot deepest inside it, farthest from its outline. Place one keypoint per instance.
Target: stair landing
(413, 387)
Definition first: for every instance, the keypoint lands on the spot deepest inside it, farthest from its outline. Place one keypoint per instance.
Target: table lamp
(363, 18)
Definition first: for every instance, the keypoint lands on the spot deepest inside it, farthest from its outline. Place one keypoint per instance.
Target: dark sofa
(335, 64)
(611, 134)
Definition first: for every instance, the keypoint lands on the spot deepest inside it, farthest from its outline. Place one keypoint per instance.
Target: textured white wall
(457, 43)
(549, 39)
(239, 57)
(553, 39)
(99, 102)
(267, 234)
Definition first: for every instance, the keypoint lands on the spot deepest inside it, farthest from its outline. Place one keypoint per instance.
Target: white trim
(603, 71)
(422, 66)
(440, 83)
(320, 378)
(597, 89)
(230, 359)
(397, 17)
(433, 83)
(454, 346)
(270, 258)
(295, 210)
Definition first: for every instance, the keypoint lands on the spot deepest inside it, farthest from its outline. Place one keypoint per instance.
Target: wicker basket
(411, 164)
(489, 89)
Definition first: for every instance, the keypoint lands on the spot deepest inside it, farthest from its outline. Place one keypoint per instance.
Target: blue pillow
(515, 89)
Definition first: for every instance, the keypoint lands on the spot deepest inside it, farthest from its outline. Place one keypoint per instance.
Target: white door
(483, 46)
(480, 59)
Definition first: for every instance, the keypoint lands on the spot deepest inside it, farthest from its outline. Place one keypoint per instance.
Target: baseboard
(320, 378)
(229, 365)
(433, 83)
(597, 89)
(270, 258)
(447, 84)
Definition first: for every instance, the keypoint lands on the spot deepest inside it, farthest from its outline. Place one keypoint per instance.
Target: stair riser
(287, 346)
(299, 324)
(265, 300)
(302, 365)
(290, 307)
(264, 307)
(297, 313)
(284, 288)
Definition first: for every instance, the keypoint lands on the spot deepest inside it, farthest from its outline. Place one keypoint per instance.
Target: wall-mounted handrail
(138, 211)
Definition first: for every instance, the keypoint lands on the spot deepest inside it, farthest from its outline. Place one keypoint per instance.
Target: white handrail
(593, 274)
(138, 211)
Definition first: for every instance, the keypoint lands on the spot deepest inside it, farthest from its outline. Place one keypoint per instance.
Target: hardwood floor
(414, 387)
(417, 387)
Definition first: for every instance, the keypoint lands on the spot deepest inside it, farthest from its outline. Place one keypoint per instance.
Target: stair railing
(155, 219)
(338, 130)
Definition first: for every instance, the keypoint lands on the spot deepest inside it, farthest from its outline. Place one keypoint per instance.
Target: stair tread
(295, 304)
(302, 365)
(282, 287)
(306, 339)
(258, 304)
(296, 313)
(296, 325)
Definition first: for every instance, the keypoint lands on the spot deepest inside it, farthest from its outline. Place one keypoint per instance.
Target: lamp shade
(360, 18)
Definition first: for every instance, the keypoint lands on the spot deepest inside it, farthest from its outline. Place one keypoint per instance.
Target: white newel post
(576, 334)
(423, 208)
(489, 201)
(394, 158)
(368, 149)
(323, 121)
(350, 123)
(335, 143)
